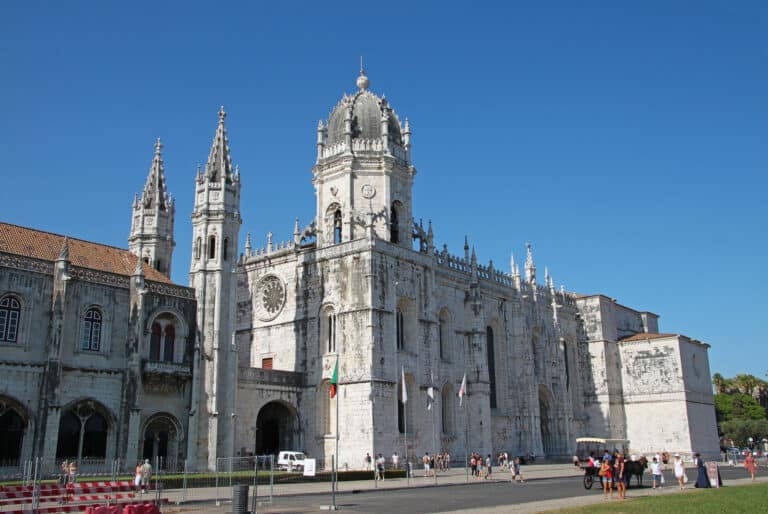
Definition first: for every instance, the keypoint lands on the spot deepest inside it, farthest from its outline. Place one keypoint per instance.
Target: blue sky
(626, 140)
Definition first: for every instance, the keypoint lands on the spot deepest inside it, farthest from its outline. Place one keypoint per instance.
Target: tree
(740, 430)
(729, 407)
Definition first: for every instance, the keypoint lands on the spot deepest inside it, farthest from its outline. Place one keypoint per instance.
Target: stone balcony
(161, 369)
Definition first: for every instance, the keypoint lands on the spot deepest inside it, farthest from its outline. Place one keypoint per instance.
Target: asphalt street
(457, 497)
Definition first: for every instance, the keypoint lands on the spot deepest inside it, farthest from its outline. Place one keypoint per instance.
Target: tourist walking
(395, 461)
(516, 471)
(658, 478)
(620, 474)
(680, 472)
(379, 467)
(749, 465)
(425, 461)
(146, 475)
(488, 467)
(137, 478)
(702, 480)
(367, 461)
(72, 468)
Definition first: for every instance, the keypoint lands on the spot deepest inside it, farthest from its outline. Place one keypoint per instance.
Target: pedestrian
(606, 474)
(702, 480)
(425, 461)
(447, 461)
(379, 467)
(680, 472)
(480, 470)
(146, 475)
(620, 474)
(72, 468)
(749, 465)
(137, 478)
(395, 461)
(473, 464)
(516, 471)
(367, 461)
(64, 472)
(488, 467)
(658, 478)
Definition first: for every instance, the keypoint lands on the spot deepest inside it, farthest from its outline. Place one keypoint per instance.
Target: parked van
(289, 461)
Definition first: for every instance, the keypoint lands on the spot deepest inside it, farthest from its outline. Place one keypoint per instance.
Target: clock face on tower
(269, 298)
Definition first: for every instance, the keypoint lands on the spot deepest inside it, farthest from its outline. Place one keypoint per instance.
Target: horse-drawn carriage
(596, 446)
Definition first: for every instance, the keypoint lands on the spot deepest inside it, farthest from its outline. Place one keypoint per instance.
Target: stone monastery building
(102, 357)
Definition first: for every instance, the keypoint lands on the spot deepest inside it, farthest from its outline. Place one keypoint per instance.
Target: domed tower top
(363, 176)
(364, 121)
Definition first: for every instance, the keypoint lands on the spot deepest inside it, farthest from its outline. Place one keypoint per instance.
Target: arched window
(159, 265)
(10, 315)
(198, 248)
(168, 343)
(154, 342)
(443, 334)
(82, 433)
(331, 335)
(162, 340)
(12, 427)
(400, 330)
(491, 364)
(225, 248)
(337, 227)
(565, 361)
(212, 247)
(446, 412)
(91, 330)
(394, 225)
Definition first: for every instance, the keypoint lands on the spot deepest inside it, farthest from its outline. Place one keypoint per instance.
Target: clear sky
(626, 140)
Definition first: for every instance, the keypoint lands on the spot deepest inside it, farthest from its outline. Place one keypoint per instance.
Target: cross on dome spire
(362, 80)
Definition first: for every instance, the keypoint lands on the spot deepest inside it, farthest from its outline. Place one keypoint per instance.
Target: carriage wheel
(588, 480)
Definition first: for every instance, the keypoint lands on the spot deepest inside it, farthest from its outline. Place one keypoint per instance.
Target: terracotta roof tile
(643, 336)
(84, 254)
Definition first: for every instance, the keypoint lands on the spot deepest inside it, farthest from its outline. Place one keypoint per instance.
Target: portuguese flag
(335, 379)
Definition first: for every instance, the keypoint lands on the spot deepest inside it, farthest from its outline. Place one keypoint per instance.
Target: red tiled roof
(84, 254)
(643, 336)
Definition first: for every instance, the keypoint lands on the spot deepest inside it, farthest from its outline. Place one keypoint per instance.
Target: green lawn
(746, 498)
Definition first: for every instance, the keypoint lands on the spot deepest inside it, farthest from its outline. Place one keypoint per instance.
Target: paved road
(472, 496)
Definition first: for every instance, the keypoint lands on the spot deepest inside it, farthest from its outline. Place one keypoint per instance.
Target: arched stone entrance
(83, 432)
(277, 428)
(546, 421)
(161, 441)
(12, 428)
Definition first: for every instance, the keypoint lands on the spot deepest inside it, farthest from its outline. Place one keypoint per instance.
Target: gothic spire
(219, 165)
(155, 194)
(530, 267)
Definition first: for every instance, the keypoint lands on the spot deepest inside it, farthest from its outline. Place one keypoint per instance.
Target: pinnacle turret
(155, 194)
(530, 267)
(219, 165)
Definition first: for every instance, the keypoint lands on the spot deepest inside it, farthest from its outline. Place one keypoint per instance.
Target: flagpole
(434, 443)
(405, 439)
(336, 463)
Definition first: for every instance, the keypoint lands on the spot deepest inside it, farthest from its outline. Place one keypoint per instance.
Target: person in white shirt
(656, 472)
(395, 461)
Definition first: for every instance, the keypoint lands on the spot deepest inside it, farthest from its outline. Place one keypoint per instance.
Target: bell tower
(363, 175)
(215, 226)
(151, 237)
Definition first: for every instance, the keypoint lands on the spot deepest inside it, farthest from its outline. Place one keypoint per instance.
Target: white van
(290, 461)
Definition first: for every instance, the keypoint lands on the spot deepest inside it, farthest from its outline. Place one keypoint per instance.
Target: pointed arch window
(169, 339)
(154, 342)
(491, 364)
(331, 335)
(337, 227)
(10, 315)
(400, 329)
(443, 334)
(212, 247)
(92, 330)
(198, 248)
(394, 225)
(225, 248)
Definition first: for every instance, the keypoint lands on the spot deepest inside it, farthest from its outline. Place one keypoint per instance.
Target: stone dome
(367, 109)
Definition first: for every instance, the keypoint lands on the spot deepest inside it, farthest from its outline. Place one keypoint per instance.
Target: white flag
(405, 391)
(430, 392)
(463, 388)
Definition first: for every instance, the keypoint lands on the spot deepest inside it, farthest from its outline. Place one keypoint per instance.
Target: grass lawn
(746, 498)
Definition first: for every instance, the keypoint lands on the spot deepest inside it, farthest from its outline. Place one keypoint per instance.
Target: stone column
(134, 428)
(51, 433)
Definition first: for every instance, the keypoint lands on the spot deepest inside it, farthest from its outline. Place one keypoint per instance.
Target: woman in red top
(749, 465)
(606, 474)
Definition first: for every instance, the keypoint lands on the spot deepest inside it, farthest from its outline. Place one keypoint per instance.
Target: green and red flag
(335, 379)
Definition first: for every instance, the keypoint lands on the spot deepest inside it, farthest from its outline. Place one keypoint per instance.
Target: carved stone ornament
(334, 190)
(269, 298)
(368, 191)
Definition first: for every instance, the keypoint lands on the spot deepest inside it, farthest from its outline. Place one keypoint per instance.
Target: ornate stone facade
(361, 285)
